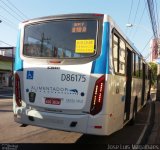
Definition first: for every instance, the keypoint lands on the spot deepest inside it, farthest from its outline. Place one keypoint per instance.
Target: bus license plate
(53, 101)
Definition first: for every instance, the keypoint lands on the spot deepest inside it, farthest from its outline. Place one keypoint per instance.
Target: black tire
(148, 96)
(132, 121)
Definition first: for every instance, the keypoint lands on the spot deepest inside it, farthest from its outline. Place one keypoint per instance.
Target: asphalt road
(128, 135)
(6, 93)
(11, 132)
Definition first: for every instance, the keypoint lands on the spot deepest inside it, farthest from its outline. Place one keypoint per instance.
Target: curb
(149, 125)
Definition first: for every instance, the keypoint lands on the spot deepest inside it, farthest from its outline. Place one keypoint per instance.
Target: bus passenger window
(137, 66)
(146, 72)
(119, 55)
(115, 52)
(140, 68)
(122, 57)
(134, 65)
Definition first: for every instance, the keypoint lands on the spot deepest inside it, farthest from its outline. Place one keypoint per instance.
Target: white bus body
(78, 87)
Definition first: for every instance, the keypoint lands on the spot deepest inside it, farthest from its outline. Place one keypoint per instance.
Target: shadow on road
(128, 135)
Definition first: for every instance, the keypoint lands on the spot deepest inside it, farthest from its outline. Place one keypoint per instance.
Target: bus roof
(73, 15)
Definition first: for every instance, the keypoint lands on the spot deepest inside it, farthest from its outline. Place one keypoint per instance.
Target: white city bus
(78, 72)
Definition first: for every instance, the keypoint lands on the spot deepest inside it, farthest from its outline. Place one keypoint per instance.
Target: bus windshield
(61, 39)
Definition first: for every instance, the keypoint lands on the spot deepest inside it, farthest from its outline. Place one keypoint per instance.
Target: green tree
(154, 73)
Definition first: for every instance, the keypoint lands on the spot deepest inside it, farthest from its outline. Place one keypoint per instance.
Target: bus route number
(73, 77)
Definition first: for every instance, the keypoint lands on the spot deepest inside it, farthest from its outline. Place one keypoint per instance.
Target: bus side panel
(18, 65)
(112, 114)
(18, 69)
(135, 94)
(147, 89)
(138, 91)
(111, 117)
(101, 64)
(115, 102)
(100, 67)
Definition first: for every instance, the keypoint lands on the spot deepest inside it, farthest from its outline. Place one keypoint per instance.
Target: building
(154, 47)
(6, 66)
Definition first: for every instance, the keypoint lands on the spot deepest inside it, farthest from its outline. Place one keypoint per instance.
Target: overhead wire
(157, 19)
(10, 25)
(8, 22)
(6, 43)
(12, 10)
(136, 32)
(10, 13)
(134, 19)
(130, 11)
(147, 43)
(136, 27)
(129, 14)
(137, 7)
(149, 54)
(20, 12)
(152, 16)
(136, 12)
(154, 19)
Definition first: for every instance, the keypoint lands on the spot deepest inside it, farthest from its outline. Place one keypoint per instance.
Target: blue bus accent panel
(101, 64)
(18, 61)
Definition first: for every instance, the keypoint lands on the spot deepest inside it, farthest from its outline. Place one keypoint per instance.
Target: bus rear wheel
(132, 121)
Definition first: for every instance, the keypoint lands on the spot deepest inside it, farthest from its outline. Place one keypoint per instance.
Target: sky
(12, 12)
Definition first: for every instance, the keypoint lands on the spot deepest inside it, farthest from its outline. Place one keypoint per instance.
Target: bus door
(143, 83)
(128, 84)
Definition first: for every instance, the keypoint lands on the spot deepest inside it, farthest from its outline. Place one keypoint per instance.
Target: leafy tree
(154, 73)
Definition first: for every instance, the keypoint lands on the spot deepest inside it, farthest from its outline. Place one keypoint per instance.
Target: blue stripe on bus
(18, 66)
(101, 64)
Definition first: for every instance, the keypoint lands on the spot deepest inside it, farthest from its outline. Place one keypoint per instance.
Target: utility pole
(43, 39)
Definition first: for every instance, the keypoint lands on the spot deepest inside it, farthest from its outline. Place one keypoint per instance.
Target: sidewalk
(154, 137)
